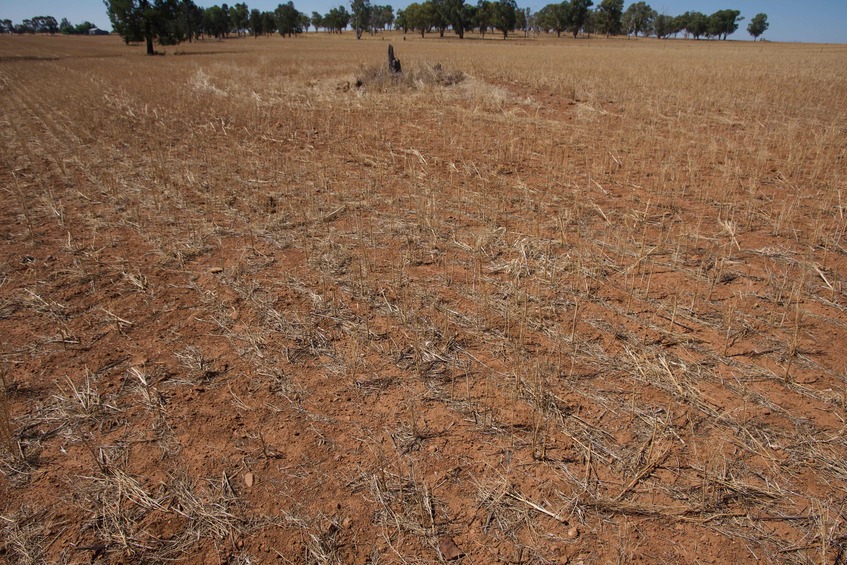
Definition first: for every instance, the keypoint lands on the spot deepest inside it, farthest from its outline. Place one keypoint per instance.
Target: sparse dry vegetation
(530, 302)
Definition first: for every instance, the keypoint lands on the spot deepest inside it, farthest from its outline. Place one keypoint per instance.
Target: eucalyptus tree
(505, 16)
(608, 17)
(145, 20)
(360, 16)
(758, 25)
(638, 18)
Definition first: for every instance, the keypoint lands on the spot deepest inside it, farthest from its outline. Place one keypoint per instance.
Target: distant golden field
(534, 301)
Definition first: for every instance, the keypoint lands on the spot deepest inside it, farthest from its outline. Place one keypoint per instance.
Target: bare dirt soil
(536, 301)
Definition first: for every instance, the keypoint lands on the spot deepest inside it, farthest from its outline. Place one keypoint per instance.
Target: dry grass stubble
(553, 300)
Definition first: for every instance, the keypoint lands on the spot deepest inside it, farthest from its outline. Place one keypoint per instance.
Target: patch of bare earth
(584, 304)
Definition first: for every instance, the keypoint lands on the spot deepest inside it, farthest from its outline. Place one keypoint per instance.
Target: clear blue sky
(819, 21)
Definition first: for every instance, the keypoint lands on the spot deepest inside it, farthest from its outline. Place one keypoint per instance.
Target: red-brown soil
(250, 312)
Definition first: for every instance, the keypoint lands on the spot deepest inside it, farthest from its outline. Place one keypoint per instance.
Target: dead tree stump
(393, 64)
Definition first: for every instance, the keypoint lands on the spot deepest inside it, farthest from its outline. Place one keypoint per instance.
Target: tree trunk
(150, 50)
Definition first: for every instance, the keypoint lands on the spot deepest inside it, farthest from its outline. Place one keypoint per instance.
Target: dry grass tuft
(23, 537)
(122, 512)
(601, 282)
(7, 435)
(419, 77)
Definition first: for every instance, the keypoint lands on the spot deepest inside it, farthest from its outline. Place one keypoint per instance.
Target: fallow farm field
(535, 301)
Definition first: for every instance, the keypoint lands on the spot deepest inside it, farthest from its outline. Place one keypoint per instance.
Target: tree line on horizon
(609, 18)
(46, 24)
(571, 16)
(173, 21)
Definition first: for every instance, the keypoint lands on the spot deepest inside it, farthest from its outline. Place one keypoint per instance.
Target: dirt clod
(448, 548)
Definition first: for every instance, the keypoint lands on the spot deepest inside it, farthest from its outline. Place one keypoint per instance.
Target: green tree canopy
(608, 17)
(723, 23)
(336, 19)
(216, 21)
(696, 24)
(145, 20)
(555, 17)
(457, 15)
(289, 20)
(578, 15)
(317, 20)
(505, 16)
(239, 18)
(758, 25)
(418, 17)
(663, 25)
(638, 18)
(360, 16)
(45, 24)
(524, 16)
(256, 27)
(190, 19)
(381, 17)
(438, 15)
(400, 21)
(484, 17)
(268, 22)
